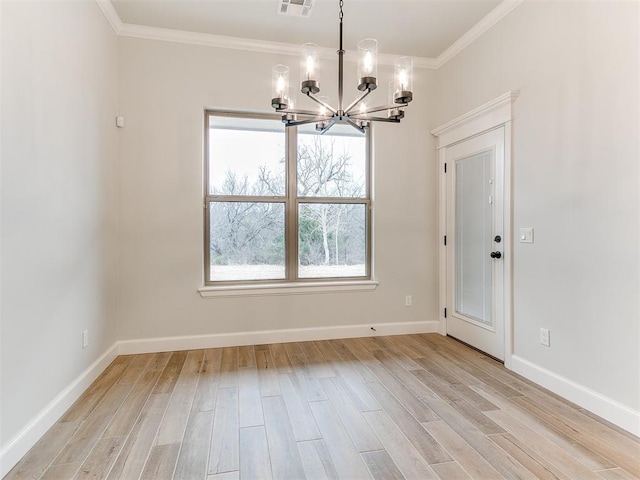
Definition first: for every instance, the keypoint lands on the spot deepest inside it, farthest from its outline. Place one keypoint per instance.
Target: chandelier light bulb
(403, 69)
(367, 64)
(402, 79)
(309, 68)
(280, 86)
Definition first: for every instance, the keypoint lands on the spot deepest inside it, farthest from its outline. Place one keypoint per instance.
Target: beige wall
(576, 179)
(58, 197)
(164, 90)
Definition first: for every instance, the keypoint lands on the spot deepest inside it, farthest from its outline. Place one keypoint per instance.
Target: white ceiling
(421, 28)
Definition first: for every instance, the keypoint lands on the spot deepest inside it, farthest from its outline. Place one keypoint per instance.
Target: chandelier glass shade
(356, 114)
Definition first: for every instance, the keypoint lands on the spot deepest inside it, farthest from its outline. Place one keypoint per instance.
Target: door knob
(496, 255)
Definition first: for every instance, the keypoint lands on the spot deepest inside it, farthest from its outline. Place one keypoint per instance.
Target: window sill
(299, 288)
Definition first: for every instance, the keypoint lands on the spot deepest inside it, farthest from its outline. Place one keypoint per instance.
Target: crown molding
(246, 44)
(106, 7)
(493, 17)
(279, 48)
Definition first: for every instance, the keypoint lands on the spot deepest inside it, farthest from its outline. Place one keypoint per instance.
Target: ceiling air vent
(295, 8)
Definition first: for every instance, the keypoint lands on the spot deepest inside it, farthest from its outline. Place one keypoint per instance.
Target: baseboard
(20, 444)
(166, 344)
(621, 415)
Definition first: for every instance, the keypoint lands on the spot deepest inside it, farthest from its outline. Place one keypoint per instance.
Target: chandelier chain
(341, 12)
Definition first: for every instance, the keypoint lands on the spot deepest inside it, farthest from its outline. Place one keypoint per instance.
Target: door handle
(496, 255)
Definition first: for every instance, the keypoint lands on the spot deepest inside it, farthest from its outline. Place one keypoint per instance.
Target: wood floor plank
(44, 452)
(616, 474)
(533, 462)
(194, 453)
(358, 365)
(543, 447)
(229, 367)
(381, 465)
(224, 451)
(589, 458)
(124, 419)
(58, 472)
(412, 465)
(450, 471)
(420, 411)
(430, 450)
(623, 452)
(346, 459)
(361, 434)
(92, 428)
(317, 461)
(132, 457)
(225, 476)
(205, 396)
(280, 358)
(254, 459)
(267, 374)
(463, 453)
(97, 390)
(169, 376)
(175, 420)
(162, 463)
(285, 460)
(138, 365)
(101, 459)
(476, 417)
(318, 366)
(302, 420)
(249, 399)
(505, 464)
(246, 356)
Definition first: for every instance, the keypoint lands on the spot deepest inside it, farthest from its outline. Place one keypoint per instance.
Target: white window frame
(291, 284)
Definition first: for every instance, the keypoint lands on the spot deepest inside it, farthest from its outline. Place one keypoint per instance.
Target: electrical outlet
(544, 337)
(85, 339)
(408, 301)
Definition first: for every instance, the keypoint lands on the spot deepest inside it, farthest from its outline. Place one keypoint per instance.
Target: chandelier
(356, 114)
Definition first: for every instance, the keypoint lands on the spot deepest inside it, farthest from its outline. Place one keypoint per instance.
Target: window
(284, 205)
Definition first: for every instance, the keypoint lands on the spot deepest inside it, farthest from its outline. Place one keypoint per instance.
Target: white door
(474, 226)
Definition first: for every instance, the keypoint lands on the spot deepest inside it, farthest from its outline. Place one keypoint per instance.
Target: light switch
(526, 235)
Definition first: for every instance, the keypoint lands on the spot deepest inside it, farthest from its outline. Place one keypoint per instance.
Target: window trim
(292, 283)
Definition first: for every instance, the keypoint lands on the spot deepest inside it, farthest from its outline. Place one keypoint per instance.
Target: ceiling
(421, 28)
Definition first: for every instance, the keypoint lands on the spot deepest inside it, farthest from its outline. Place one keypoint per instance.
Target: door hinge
(445, 168)
(445, 313)
(445, 240)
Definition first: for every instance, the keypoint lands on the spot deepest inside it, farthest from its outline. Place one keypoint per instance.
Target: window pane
(246, 156)
(246, 241)
(333, 164)
(332, 240)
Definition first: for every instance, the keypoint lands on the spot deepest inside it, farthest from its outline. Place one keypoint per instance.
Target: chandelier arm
(376, 119)
(325, 105)
(329, 124)
(356, 102)
(355, 125)
(309, 120)
(303, 112)
(382, 108)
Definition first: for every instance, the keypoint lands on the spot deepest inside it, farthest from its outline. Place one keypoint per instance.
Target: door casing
(493, 114)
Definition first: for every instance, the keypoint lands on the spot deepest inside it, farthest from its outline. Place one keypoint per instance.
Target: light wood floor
(413, 406)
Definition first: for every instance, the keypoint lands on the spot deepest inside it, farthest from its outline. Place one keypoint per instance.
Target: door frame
(493, 114)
